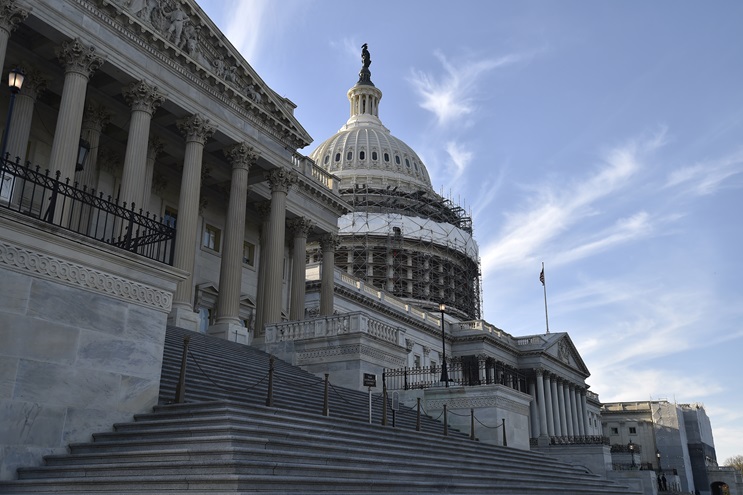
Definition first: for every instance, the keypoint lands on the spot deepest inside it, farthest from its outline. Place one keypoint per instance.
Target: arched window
(374, 155)
(337, 157)
(362, 155)
(349, 155)
(326, 160)
(397, 159)
(407, 163)
(386, 157)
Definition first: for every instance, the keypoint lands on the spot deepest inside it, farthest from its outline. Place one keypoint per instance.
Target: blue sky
(603, 138)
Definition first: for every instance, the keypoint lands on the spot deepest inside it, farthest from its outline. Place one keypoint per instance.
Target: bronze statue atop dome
(365, 56)
(365, 73)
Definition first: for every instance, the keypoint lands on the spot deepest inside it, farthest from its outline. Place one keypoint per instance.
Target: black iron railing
(45, 197)
(462, 371)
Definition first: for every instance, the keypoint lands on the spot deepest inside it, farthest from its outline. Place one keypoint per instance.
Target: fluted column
(143, 99)
(264, 213)
(80, 62)
(154, 148)
(574, 407)
(540, 403)
(583, 418)
(95, 119)
(300, 228)
(280, 181)
(548, 404)
(533, 412)
(242, 156)
(10, 16)
(328, 245)
(196, 130)
(556, 407)
(561, 404)
(568, 410)
(23, 112)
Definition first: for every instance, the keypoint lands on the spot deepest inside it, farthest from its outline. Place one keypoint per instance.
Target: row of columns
(76, 120)
(558, 408)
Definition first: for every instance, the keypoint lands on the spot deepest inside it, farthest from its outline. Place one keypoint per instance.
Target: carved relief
(563, 352)
(79, 58)
(11, 15)
(281, 179)
(300, 226)
(329, 242)
(95, 117)
(242, 155)
(143, 97)
(196, 128)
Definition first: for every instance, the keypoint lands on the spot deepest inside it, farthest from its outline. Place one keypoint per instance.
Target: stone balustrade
(332, 326)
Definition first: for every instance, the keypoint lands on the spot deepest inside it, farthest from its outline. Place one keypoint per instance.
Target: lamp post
(15, 82)
(657, 455)
(444, 372)
(631, 447)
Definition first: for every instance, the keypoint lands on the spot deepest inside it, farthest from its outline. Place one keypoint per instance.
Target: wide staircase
(224, 439)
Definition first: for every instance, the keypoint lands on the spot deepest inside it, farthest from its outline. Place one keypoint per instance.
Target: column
(574, 409)
(95, 118)
(300, 228)
(533, 413)
(80, 62)
(228, 324)
(328, 245)
(548, 404)
(556, 406)
(561, 404)
(568, 410)
(280, 181)
(196, 130)
(154, 148)
(143, 99)
(264, 212)
(540, 403)
(23, 112)
(10, 16)
(583, 412)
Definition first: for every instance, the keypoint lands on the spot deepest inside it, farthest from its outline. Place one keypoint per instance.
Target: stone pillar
(196, 130)
(154, 148)
(300, 228)
(556, 406)
(228, 324)
(10, 16)
(23, 112)
(540, 403)
(548, 404)
(533, 412)
(80, 62)
(574, 408)
(561, 404)
(264, 212)
(583, 418)
(328, 245)
(95, 118)
(280, 181)
(568, 410)
(144, 99)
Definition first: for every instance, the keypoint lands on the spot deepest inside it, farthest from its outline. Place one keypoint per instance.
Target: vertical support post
(503, 425)
(271, 367)
(325, 410)
(180, 391)
(446, 423)
(472, 424)
(384, 406)
(418, 418)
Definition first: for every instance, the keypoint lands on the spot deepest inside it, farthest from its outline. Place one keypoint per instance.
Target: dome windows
(397, 159)
(407, 163)
(349, 155)
(362, 155)
(337, 157)
(326, 160)
(386, 157)
(374, 156)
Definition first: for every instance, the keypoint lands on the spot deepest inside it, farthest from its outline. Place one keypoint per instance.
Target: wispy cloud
(246, 25)
(450, 96)
(459, 158)
(348, 46)
(707, 177)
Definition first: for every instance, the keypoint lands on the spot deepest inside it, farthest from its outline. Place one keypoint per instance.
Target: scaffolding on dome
(420, 269)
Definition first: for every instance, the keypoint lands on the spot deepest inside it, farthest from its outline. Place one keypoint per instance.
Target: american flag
(541, 276)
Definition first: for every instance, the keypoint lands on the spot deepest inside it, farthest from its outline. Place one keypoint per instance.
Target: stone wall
(82, 332)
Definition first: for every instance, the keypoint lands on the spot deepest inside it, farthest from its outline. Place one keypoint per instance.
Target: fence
(41, 196)
(464, 371)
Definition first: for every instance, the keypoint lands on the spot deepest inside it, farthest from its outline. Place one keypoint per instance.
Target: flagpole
(544, 286)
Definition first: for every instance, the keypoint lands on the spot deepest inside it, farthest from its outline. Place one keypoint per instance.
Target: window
(374, 155)
(362, 155)
(397, 159)
(433, 366)
(417, 361)
(615, 431)
(349, 155)
(170, 216)
(211, 238)
(386, 157)
(407, 163)
(248, 253)
(632, 430)
(337, 157)
(326, 160)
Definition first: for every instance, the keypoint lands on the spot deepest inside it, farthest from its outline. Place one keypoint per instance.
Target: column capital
(11, 15)
(242, 155)
(79, 58)
(329, 242)
(143, 97)
(264, 210)
(281, 179)
(155, 146)
(539, 371)
(95, 117)
(34, 82)
(300, 226)
(196, 128)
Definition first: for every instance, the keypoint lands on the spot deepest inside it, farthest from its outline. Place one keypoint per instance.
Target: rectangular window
(417, 361)
(170, 216)
(632, 430)
(248, 253)
(211, 238)
(615, 431)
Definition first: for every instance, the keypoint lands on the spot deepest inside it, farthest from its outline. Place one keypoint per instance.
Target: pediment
(181, 30)
(562, 349)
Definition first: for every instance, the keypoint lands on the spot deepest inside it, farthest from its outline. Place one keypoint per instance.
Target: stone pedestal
(230, 331)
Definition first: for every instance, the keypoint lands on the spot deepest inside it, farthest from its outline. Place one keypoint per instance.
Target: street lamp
(15, 82)
(444, 372)
(631, 447)
(657, 454)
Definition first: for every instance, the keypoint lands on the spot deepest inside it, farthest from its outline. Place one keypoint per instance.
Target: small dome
(365, 152)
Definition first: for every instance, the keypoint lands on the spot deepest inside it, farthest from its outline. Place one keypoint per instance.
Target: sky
(604, 139)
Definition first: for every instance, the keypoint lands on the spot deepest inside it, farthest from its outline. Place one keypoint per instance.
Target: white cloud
(460, 158)
(246, 24)
(707, 177)
(452, 95)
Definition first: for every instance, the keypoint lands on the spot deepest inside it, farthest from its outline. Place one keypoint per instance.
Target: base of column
(184, 317)
(543, 440)
(233, 332)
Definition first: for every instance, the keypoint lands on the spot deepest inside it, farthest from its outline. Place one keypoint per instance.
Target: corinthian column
(80, 62)
(23, 112)
(300, 228)
(144, 99)
(561, 404)
(196, 129)
(228, 322)
(10, 16)
(568, 410)
(328, 244)
(540, 402)
(154, 148)
(576, 412)
(95, 119)
(548, 404)
(280, 180)
(264, 213)
(555, 406)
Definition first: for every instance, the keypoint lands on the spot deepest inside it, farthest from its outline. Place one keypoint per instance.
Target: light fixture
(15, 82)
(82, 154)
(15, 79)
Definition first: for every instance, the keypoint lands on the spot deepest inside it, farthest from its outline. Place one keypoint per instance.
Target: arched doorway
(720, 488)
